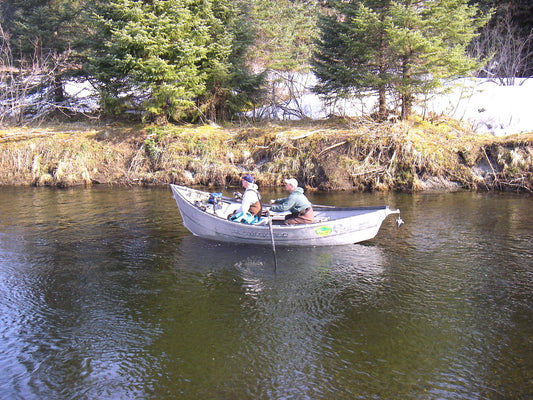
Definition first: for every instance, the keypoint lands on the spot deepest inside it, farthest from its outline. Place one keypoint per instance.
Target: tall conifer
(174, 57)
(42, 32)
(401, 48)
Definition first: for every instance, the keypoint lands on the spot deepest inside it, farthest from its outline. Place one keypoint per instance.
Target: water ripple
(103, 294)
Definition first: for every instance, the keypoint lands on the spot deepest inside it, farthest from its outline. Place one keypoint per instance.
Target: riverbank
(340, 154)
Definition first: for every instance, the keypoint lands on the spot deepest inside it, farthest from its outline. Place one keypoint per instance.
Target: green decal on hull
(323, 231)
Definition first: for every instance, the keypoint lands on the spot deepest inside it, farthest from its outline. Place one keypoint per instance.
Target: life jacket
(244, 218)
(255, 208)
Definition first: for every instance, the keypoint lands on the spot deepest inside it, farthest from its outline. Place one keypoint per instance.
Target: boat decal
(323, 230)
(260, 235)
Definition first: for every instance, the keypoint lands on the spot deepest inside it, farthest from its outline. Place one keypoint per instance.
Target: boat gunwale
(325, 209)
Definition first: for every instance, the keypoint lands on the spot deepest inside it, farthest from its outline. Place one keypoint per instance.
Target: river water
(104, 295)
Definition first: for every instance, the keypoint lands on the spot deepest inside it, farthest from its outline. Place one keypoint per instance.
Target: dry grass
(327, 155)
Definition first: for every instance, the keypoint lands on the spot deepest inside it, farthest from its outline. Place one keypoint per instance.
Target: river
(104, 295)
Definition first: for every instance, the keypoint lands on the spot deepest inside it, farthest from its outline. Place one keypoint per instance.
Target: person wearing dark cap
(301, 210)
(250, 208)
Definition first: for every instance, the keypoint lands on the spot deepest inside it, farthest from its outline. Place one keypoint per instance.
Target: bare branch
(508, 53)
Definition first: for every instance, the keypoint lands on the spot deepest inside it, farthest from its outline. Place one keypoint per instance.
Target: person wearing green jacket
(300, 208)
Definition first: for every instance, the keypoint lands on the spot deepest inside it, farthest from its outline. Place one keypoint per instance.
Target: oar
(272, 240)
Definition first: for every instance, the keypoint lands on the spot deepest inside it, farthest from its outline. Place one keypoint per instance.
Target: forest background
(184, 91)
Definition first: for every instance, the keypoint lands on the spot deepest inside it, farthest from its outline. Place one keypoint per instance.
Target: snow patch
(488, 106)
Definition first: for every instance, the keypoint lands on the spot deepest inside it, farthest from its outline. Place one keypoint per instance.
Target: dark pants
(304, 217)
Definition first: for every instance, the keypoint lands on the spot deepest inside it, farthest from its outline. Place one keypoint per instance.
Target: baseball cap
(293, 182)
(248, 178)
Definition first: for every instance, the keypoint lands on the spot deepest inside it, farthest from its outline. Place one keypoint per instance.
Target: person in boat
(301, 210)
(250, 210)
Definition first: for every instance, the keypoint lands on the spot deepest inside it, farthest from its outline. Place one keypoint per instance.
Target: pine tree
(286, 30)
(44, 32)
(352, 55)
(404, 48)
(51, 23)
(231, 87)
(174, 57)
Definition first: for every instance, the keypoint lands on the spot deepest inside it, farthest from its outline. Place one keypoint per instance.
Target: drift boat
(205, 215)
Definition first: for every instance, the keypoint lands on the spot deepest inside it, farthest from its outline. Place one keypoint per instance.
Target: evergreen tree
(174, 57)
(404, 48)
(286, 30)
(233, 88)
(44, 33)
(352, 55)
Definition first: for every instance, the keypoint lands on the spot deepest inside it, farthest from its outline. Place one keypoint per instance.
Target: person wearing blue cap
(250, 209)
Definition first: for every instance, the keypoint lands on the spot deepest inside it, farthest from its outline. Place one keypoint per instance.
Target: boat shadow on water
(200, 254)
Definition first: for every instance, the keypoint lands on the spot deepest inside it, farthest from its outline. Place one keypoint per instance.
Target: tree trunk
(382, 95)
(59, 94)
(405, 94)
(407, 106)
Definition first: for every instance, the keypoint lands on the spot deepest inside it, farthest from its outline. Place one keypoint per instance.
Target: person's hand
(272, 201)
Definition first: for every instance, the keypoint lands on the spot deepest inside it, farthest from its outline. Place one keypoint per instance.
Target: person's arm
(283, 204)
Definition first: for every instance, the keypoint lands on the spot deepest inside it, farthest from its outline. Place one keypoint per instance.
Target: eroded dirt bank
(355, 155)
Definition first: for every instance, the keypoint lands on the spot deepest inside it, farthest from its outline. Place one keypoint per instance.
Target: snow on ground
(488, 106)
(84, 94)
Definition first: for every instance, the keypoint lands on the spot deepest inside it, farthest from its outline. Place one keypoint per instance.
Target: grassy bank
(356, 155)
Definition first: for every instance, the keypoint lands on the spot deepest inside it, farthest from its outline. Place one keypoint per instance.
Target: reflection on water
(103, 294)
(276, 325)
